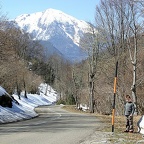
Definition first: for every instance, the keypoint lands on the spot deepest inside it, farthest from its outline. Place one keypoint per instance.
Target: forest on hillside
(116, 36)
(23, 63)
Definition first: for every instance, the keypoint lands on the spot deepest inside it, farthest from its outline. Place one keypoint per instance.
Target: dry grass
(119, 135)
(128, 138)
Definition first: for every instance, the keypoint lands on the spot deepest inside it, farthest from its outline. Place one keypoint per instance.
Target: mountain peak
(61, 30)
(52, 11)
(57, 13)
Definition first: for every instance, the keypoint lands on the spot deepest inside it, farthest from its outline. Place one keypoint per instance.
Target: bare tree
(134, 33)
(119, 22)
(78, 82)
(91, 44)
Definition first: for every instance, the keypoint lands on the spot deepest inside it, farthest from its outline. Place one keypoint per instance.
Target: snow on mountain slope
(60, 29)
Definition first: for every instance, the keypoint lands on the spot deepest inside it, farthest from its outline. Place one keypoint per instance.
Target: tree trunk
(91, 96)
(25, 94)
(46, 90)
(18, 90)
(133, 89)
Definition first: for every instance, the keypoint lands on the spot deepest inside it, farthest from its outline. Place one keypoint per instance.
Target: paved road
(53, 126)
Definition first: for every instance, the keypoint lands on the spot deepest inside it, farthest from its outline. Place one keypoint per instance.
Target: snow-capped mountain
(61, 30)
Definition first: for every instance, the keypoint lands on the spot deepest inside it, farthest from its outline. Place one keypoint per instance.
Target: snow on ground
(25, 109)
(3, 91)
(84, 107)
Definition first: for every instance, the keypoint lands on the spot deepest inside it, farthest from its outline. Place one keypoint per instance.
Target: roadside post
(113, 108)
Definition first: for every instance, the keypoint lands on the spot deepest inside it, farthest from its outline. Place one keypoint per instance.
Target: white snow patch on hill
(25, 109)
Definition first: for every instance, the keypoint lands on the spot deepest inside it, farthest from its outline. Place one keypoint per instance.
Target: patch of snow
(2, 91)
(25, 109)
(83, 107)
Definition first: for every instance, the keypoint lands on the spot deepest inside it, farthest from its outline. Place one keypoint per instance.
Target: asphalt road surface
(53, 126)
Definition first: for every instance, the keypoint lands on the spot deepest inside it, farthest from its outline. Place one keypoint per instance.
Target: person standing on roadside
(129, 112)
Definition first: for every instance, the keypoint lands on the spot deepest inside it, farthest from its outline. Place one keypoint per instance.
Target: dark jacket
(129, 108)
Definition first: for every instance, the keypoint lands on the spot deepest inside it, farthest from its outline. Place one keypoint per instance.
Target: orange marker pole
(113, 110)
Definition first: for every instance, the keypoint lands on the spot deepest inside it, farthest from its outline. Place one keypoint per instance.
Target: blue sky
(80, 9)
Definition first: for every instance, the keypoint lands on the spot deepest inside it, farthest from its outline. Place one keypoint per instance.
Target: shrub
(61, 102)
(70, 100)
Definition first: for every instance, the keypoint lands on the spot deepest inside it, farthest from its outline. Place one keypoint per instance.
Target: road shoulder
(103, 135)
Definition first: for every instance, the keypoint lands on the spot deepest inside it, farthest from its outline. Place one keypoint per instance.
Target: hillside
(25, 109)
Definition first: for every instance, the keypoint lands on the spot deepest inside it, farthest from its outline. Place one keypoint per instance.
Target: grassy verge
(119, 136)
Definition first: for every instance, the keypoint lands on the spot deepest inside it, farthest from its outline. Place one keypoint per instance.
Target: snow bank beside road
(25, 109)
